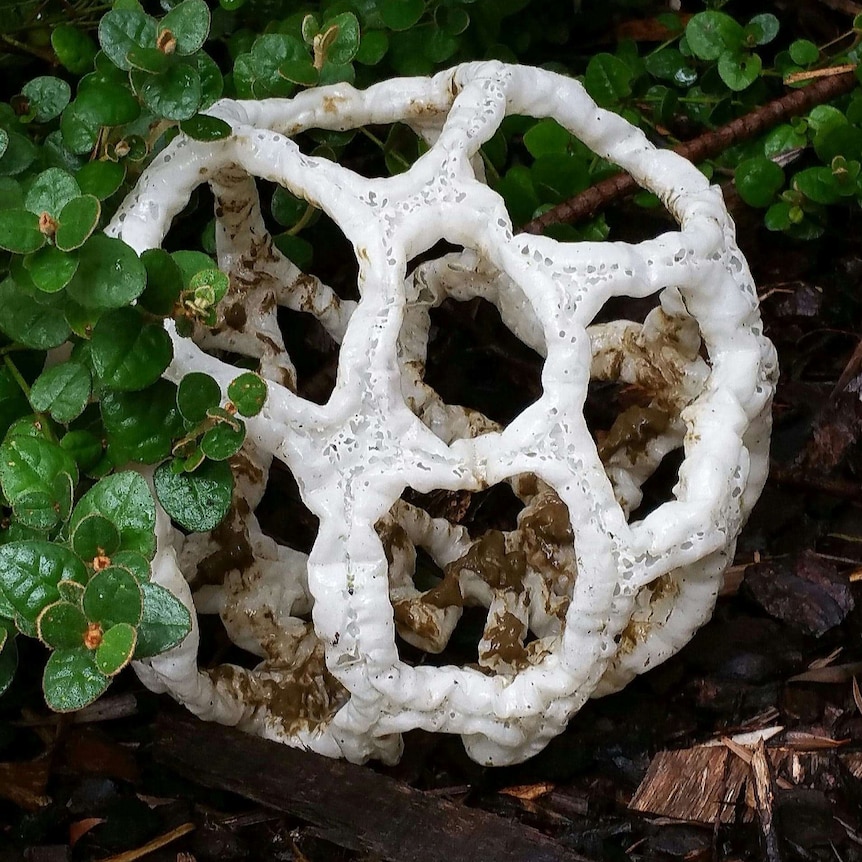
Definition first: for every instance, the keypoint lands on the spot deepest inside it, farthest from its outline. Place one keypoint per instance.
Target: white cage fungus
(579, 597)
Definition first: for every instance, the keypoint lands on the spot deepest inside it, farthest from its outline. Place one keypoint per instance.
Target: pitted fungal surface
(579, 599)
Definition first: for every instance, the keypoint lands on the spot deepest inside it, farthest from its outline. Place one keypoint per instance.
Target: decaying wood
(706, 146)
(349, 805)
(764, 796)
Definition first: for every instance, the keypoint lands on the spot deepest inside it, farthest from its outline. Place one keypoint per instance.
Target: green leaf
(51, 191)
(116, 649)
(71, 680)
(607, 79)
(77, 221)
(547, 137)
(287, 208)
(101, 179)
(113, 596)
(110, 274)
(400, 14)
(148, 60)
(189, 23)
(84, 447)
(121, 30)
(818, 185)
(50, 269)
(197, 501)
(127, 353)
(739, 71)
(804, 52)
(209, 286)
(175, 94)
(18, 154)
(192, 262)
(74, 48)
(782, 139)
(38, 478)
(248, 393)
(61, 625)
(346, 43)
(761, 29)
(8, 663)
(46, 97)
(13, 404)
(300, 72)
(164, 282)
(135, 562)
(125, 500)
(30, 571)
(19, 231)
(557, 177)
(372, 48)
(197, 393)
(201, 127)
(71, 591)
(142, 425)
(94, 536)
(758, 180)
(222, 441)
(710, 34)
(29, 322)
(165, 622)
(62, 390)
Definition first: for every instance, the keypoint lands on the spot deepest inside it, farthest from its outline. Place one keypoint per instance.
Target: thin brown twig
(706, 146)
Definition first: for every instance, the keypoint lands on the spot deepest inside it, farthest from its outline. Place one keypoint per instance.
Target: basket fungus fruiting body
(579, 597)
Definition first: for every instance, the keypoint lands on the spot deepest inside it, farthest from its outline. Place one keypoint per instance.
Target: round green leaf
(189, 23)
(61, 625)
(84, 447)
(761, 29)
(18, 154)
(346, 43)
(71, 680)
(196, 501)
(101, 179)
(164, 624)
(248, 393)
(94, 536)
(192, 262)
(804, 52)
(50, 268)
(222, 441)
(62, 390)
(30, 572)
(817, 184)
(47, 96)
(110, 274)
(51, 191)
(758, 180)
(135, 562)
(148, 60)
(71, 591)
(77, 221)
(439, 46)
(113, 596)
(116, 649)
(287, 208)
(174, 95)
(201, 127)
(197, 393)
(209, 286)
(739, 71)
(108, 104)
(142, 426)
(709, 34)
(29, 322)
(125, 501)
(19, 231)
(400, 14)
(74, 48)
(127, 353)
(607, 79)
(38, 478)
(547, 137)
(372, 48)
(121, 30)
(300, 72)
(164, 282)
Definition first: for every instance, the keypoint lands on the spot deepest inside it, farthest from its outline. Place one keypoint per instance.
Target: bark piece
(346, 804)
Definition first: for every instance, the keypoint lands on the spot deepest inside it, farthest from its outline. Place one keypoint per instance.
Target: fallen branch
(351, 806)
(706, 146)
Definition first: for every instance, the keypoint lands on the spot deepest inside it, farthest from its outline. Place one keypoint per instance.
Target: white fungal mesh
(578, 599)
